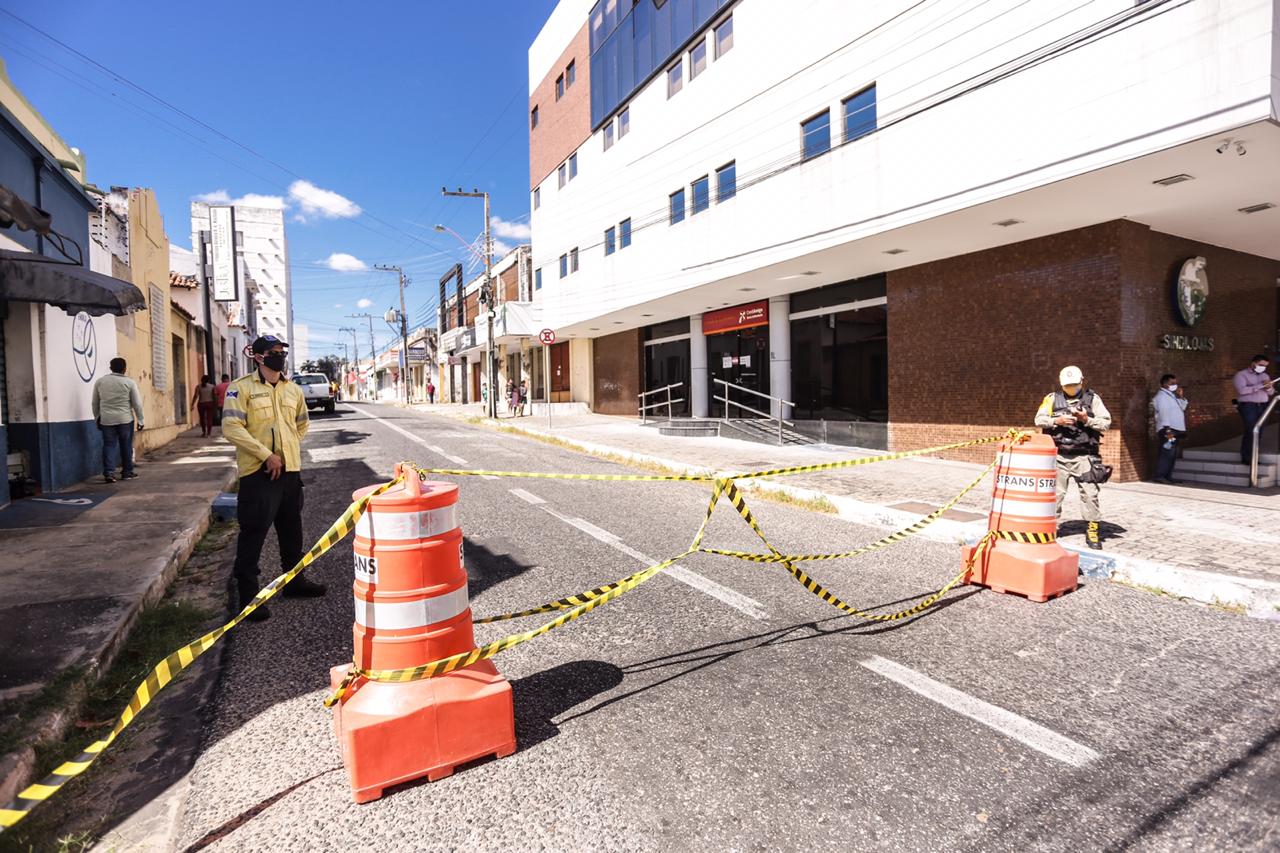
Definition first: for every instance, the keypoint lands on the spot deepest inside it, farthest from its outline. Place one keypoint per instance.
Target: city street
(722, 706)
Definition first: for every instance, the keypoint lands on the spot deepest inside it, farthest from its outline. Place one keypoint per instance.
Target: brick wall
(565, 124)
(616, 375)
(509, 283)
(977, 340)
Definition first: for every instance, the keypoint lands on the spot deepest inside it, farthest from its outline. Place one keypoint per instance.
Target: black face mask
(274, 361)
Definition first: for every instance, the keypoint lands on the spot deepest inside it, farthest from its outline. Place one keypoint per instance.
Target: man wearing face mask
(265, 416)
(1076, 419)
(1253, 389)
(1170, 406)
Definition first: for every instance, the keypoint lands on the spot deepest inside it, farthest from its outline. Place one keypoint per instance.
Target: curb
(17, 768)
(1257, 598)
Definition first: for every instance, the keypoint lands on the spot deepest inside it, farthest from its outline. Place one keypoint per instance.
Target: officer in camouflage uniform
(265, 416)
(1076, 419)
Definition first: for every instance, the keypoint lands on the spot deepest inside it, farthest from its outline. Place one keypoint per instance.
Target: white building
(262, 243)
(901, 217)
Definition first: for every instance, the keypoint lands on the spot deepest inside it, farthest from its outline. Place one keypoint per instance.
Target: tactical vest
(1074, 439)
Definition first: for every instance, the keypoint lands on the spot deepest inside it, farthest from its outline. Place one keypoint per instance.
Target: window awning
(29, 277)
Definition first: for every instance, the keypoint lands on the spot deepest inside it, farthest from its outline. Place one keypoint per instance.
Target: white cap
(1069, 376)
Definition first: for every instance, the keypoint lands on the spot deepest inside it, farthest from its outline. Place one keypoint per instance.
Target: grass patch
(1231, 607)
(1142, 587)
(214, 539)
(815, 504)
(14, 728)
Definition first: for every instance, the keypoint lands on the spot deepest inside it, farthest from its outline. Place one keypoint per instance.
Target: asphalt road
(726, 707)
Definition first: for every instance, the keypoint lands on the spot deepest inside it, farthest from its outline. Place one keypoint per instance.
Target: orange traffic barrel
(1024, 556)
(412, 608)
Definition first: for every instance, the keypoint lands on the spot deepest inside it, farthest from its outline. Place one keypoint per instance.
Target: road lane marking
(456, 460)
(1007, 723)
(734, 599)
(527, 497)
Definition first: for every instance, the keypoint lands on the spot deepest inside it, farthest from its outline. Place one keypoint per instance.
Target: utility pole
(486, 296)
(404, 328)
(373, 356)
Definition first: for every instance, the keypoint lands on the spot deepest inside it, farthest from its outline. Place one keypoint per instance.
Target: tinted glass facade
(630, 43)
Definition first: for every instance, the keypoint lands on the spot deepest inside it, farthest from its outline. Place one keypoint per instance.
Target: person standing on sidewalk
(220, 390)
(1253, 389)
(1076, 419)
(1170, 405)
(265, 417)
(431, 391)
(205, 401)
(116, 402)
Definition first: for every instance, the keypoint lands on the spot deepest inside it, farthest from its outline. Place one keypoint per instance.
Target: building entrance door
(560, 372)
(179, 381)
(475, 381)
(740, 358)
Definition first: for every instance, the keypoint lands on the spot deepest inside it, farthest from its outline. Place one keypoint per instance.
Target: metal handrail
(781, 404)
(645, 407)
(1257, 441)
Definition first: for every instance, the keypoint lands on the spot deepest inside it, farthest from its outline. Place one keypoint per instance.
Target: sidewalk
(77, 568)
(1210, 544)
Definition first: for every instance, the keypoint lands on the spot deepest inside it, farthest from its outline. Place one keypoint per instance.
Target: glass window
(624, 122)
(564, 265)
(698, 59)
(597, 26)
(570, 73)
(839, 365)
(677, 206)
(560, 174)
(860, 114)
(533, 118)
(537, 279)
(608, 136)
(726, 182)
(537, 197)
(573, 259)
(573, 165)
(724, 37)
(560, 87)
(675, 79)
(816, 135)
(624, 233)
(610, 241)
(701, 194)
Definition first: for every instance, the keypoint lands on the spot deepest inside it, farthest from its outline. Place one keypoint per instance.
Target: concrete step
(690, 428)
(1228, 468)
(1195, 455)
(1240, 480)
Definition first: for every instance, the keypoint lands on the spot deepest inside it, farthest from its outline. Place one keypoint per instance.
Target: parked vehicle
(317, 390)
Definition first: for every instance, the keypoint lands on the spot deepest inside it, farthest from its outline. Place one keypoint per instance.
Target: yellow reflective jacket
(261, 419)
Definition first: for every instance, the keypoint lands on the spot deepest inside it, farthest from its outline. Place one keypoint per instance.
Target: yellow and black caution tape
(168, 669)
(1029, 538)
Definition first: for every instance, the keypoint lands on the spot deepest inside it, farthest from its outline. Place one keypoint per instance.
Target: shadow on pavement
(215, 835)
(543, 696)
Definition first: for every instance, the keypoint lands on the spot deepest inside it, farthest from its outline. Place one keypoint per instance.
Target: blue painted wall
(62, 453)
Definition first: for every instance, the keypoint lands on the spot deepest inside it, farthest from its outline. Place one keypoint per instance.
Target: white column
(699, 398)
(780, 352)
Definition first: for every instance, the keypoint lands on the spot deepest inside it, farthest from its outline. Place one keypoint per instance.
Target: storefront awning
(28, 277)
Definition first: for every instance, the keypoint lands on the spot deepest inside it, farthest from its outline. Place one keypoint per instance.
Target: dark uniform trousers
(261, 504)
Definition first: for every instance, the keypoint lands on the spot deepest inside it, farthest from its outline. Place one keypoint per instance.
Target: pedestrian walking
(1253, 389)
(205, 402)
(1170, 406)
(1076, 419)
(511, 396)
(221, 391)
(265, 417)
(431, 391)
(524, 396)
(116, 404)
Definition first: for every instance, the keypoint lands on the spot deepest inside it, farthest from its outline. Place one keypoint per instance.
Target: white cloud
(342, 262)
(327, 204)
(215, 197)
(248, 200)
(337, 305)
(365, 303)
(511, 230)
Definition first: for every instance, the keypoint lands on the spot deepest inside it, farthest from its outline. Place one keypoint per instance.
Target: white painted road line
(456, 460)
(1007, 723)
(736, 600)
(527, 497)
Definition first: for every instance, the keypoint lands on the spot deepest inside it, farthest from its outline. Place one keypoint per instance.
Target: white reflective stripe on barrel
(391, 616)
(1026, 509)
(1029, 461)
(380, 524)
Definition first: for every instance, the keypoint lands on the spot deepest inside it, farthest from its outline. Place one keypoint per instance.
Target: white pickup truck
(317, 390)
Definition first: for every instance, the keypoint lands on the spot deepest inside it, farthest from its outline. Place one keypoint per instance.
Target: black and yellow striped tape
(168, 669)
(1029, 538)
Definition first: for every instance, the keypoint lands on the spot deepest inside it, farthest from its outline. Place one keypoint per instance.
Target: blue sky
(380, 103)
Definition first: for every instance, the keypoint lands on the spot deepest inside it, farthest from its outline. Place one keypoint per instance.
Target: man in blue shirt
(1170, 406)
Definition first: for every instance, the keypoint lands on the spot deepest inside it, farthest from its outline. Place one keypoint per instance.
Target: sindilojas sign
(739, 317)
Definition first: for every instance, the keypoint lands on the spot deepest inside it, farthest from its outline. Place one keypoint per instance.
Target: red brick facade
(563, 124)
(975, 341)
(617, 367)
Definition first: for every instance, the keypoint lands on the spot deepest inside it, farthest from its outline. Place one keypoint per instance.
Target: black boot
(248, 590)
(300, 587)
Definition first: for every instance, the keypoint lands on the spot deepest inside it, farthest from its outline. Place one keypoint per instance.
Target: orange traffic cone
(412, 608)
(1024, 556)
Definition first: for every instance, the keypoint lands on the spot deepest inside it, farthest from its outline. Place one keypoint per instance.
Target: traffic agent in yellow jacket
(265, 416)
